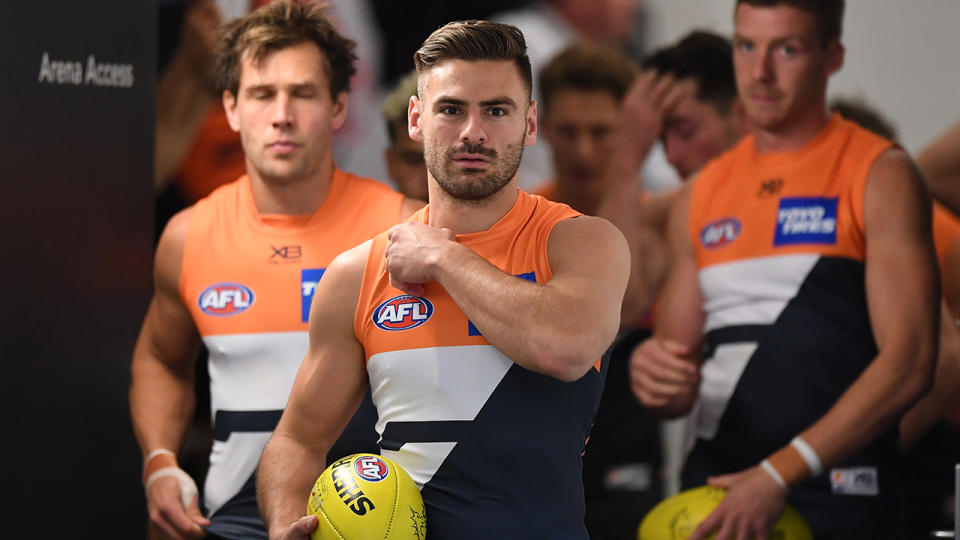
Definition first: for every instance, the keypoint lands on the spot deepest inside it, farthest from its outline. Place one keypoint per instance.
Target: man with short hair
(788, 260)
(486, 398)
(238, 270)
(404, 156)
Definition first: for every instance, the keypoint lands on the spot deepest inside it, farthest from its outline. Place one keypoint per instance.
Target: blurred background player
(778, 371)
(239, 269)
(404, 156)
(517, 315)
(582, 89)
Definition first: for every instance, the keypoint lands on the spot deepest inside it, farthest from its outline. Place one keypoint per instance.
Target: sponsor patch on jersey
(225, 299)
(806, 220)
(720, 233)
(526, 276)
(309, 278)
(402, 313)
(855, 481)
(370, 468)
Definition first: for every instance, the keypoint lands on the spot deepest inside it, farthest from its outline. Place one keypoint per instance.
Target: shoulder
(168, 260)
(572, 235)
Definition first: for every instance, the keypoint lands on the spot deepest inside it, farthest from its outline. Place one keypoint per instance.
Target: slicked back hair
(475, 40)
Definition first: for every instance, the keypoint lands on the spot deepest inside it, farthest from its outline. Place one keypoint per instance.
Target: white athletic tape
(188, 488)
(772, 471)
(809, 455)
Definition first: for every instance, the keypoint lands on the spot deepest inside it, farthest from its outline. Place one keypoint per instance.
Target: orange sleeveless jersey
(248, 280)
(946, 234)
(495, 448)
(780, 244)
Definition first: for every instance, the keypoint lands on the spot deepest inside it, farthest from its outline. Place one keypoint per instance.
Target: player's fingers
(306, 524)
(722, 481)
(674, 347)
(193, 512)
(676, 93)
(661, 87)
(709, 524)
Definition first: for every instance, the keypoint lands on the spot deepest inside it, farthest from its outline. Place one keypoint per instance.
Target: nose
(473, 132)
(762, 66)
(673, 148)
(282, 118)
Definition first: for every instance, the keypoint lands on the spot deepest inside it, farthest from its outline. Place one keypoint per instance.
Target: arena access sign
(91, 73)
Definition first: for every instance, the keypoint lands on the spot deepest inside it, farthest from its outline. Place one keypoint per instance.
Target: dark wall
(76, 145)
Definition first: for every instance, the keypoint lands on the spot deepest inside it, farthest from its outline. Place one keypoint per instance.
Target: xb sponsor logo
(285, 254)
(769, 188)
(225, 299)
(720, 233)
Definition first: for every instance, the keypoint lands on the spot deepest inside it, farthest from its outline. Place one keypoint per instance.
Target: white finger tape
(188, 488)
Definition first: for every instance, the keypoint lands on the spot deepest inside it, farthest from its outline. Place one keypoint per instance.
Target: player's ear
(415, 119)
(339, 110)
(530, 136)
(229, 100)
(835, 53)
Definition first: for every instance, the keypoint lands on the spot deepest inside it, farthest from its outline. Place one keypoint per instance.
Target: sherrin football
(366, 496)
(675, 518)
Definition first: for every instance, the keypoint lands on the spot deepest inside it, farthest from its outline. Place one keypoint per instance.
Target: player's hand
(413, 251)
(298, 530)
(660, 375)
(753, 503)
(168, 517)
(649, 101)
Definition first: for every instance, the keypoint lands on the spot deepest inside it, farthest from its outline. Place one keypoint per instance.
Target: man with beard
(480, 322)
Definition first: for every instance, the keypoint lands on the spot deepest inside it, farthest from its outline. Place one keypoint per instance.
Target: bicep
(897, 220)
(332, 378)
(680, 314)
(590, 261)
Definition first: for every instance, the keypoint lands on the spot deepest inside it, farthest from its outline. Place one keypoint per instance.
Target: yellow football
(675, 518)
(367, 496)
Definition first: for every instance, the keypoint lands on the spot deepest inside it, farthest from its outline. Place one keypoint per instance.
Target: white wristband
(188, 488)
(809, 455)
(772, 471)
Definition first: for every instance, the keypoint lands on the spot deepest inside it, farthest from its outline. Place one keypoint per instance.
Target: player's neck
(793, 136)
(293, 197)
(463, 217)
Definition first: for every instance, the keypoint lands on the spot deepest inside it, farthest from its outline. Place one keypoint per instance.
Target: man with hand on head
(238, 270)
(486, 398)
(787, 296)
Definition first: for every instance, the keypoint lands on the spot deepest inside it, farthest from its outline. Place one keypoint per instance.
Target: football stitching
(332, 525)
(396, 502)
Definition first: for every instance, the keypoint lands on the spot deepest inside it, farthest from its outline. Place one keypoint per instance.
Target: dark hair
(586, 66)
(278, 25)
(706, 58)
(859, 112)
(395, 105)
(475, 40)
(828, 14)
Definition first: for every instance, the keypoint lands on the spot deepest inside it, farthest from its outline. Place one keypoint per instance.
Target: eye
(497, 111)
(305, 93)
(449, 110)
(788, 50)
(261, 94)
(744, 45)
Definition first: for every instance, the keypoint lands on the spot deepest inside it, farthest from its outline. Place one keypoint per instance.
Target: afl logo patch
(402, 313)
(370, 468)
(720, 233)
(225, 299)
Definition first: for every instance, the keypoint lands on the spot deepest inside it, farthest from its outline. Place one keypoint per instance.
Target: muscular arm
(559, 328)
(326, 393)
(162, 387)
(664, 369)
(904, 313)
(940, 164)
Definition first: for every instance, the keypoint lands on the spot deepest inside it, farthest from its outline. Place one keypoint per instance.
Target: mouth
(283, 147)
(470, 160)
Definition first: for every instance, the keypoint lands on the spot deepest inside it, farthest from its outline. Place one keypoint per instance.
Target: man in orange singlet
(803, 292)
(239, 270)
(479, 323)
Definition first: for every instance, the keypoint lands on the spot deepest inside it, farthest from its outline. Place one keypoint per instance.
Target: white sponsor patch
(855, 481)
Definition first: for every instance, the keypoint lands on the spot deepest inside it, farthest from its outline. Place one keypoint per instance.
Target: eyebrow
(497, 101)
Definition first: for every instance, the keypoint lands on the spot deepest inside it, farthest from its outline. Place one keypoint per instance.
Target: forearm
(285, 476)
(162, 402)
(538, 326)
(621, 206)
(872, 405)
